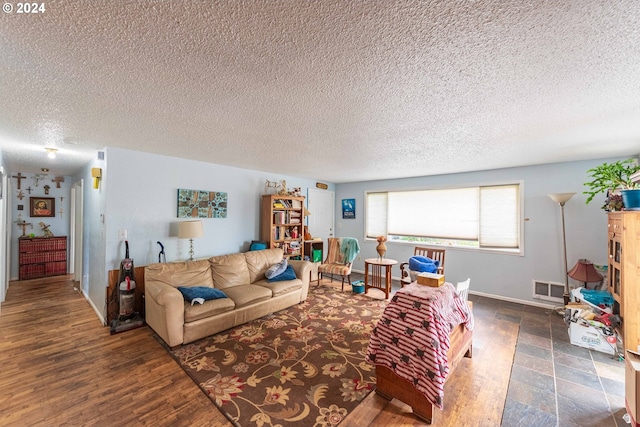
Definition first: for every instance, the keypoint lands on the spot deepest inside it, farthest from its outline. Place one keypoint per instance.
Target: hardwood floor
(60, 366)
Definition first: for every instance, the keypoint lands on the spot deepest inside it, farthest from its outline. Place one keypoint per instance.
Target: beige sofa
(240, 276)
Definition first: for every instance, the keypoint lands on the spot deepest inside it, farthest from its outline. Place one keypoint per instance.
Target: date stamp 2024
(24, 8)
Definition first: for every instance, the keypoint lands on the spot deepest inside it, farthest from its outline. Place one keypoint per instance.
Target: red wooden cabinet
(42, 256)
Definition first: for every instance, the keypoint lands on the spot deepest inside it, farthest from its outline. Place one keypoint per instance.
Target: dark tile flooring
(554, 383)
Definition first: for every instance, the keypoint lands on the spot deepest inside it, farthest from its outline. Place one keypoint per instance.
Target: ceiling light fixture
(51, 152)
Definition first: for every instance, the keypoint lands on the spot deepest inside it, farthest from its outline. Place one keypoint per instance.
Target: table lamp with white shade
(190, 230)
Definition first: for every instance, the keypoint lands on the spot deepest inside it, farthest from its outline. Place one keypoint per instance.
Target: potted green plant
(609, 177)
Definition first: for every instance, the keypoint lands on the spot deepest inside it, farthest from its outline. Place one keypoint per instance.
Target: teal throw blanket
(349, 248)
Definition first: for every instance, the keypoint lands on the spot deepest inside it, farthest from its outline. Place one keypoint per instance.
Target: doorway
(321, 205)
(75, 246)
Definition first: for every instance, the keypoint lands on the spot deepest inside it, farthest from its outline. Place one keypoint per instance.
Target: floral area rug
(303, 366)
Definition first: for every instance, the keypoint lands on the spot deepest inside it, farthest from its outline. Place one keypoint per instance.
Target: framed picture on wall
(42, 206)
(348, 208)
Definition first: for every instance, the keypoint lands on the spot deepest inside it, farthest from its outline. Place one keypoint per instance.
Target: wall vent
(549, 291)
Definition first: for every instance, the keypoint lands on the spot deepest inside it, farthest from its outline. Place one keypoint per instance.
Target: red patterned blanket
(412, 336)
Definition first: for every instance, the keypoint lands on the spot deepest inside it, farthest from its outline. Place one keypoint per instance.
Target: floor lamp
(561, 199)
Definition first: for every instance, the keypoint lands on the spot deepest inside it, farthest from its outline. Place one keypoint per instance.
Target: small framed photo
(42, 206)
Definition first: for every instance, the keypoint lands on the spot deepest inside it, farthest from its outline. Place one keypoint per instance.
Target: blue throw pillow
(204, 292)
(423, 264)
(288, 274)
(257, 246)
(276, 269)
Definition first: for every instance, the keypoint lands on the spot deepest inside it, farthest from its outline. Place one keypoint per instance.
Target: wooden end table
(376, 279)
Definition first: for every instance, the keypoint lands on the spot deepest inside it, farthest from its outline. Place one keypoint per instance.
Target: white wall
(138, 193)
(94, 279)
(4, 233)
(507, 276)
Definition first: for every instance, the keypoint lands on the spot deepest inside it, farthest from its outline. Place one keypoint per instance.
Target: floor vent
(549, 291)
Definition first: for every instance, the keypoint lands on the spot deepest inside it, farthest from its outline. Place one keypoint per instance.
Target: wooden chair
(335, 263)
(408, 276)
(463, 289)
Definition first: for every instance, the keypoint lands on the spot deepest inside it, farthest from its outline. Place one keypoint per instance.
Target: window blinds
(486, 214)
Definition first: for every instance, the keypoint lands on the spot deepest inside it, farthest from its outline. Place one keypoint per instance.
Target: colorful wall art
(201, 204)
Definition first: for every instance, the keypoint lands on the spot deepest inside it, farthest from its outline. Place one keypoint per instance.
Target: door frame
(76, 235)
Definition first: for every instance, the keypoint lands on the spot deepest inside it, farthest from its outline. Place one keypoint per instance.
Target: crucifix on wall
(37, 177)
(19, 177)
(24, 224)
(58, 180)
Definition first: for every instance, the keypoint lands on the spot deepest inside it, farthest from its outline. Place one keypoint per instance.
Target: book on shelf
(281, 203)
(279, 217)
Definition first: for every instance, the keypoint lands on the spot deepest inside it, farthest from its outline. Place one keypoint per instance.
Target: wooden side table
(376, 279)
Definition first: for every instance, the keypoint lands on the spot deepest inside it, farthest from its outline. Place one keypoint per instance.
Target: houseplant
(609, 177)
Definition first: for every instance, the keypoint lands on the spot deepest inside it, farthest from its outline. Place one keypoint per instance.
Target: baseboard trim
(103, 322)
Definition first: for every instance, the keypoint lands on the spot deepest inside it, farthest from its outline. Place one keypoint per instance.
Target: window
(481, 217)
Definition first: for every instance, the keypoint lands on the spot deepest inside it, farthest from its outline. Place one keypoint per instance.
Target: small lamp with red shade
(584, 271)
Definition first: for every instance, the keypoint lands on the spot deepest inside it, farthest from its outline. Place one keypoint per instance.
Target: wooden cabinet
(314, 250)
(281, 223)
(42, 257)
(624, 272)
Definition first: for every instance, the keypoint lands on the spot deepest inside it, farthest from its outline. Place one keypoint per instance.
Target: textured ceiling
(332, 90)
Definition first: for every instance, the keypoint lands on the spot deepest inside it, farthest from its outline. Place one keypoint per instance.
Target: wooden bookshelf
(281, 221)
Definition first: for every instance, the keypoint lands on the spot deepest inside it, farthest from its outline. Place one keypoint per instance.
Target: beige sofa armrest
(164, 311)
(303, 272)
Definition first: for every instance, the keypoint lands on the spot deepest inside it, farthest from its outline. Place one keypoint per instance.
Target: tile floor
(553, 383)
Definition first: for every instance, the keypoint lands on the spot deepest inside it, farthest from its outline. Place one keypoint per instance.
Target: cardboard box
(632, 385)
(431, 279)
(587, 336)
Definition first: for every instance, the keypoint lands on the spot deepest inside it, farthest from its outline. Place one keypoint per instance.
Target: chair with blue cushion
(408, 275)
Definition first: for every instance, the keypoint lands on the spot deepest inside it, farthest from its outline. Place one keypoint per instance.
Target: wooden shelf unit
(42, 257)
(624, 272)
(281, 221)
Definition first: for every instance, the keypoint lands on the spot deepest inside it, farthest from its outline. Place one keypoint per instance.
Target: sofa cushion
(184, 273)
(287, 274)
(248, 294)
(229, 270)
(283, 287)
(208, 309)
(258, 262)
(203, 292)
